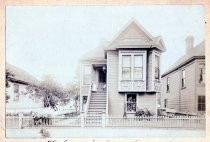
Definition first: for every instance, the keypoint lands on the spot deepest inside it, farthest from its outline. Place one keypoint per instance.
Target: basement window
(131, 103)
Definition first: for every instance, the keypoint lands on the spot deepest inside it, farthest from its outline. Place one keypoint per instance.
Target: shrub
(45, 133)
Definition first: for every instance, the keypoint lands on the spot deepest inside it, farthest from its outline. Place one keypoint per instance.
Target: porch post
(20, 120)
(103, 119)
(82, 119)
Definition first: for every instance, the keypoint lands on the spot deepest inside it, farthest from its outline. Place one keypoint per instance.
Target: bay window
(138, 67)
(126, 67)
(157, 67)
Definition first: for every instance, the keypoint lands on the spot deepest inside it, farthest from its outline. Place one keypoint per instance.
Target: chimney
(189, 43)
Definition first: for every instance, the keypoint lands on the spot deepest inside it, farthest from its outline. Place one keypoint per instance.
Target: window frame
(168, 85)
(158, 67)
(83, 74)
(183, 80)
(203, 108)
(132, 54)
(16, 90)
(202, 73)
(126, 102)
(129, 67)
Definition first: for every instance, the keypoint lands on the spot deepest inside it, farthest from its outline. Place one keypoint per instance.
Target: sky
(49, 40)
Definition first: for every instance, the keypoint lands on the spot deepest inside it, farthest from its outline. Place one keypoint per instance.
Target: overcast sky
(50, 39)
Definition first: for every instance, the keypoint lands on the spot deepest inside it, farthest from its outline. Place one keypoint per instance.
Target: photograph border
(4, 3)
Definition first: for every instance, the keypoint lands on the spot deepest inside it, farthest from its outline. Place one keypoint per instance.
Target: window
(138, 67)
(165, 103)
(87, 75)
(202, 73)
(183, 79)
(168, 83)
(157, 67)
(201, 103)
(131, 103)
(16, 92)
(126, 67)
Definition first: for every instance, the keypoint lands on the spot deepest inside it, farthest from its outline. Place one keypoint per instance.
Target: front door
(102, 80)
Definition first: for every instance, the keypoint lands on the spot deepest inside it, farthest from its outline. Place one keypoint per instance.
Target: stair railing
(88, 99)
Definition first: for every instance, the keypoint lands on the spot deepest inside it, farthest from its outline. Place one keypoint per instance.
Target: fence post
(82, 119)
(103, 119)
(20, 120)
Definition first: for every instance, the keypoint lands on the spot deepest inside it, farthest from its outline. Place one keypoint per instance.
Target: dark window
(168, 85)
(157, 67)
(201, 103)
(131, 103)
(202, 73)
(183, 79)
(165, 103)
(84, 99)
(16, 92)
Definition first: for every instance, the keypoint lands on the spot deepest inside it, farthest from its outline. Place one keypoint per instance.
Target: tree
(8, 75)
(72, 89)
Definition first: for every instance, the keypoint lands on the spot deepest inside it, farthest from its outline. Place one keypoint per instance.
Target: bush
(144, 112)
(45, 133)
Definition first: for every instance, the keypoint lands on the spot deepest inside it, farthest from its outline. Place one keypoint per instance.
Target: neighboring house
(183, 85)
(20, 99)
(123, 76)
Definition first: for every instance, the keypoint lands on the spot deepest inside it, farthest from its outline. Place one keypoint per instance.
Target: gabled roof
(136, 36)
(193, 53)
(133, 35)
(21, 76)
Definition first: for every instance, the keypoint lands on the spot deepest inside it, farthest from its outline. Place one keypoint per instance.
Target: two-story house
(183, 85)
(124, 75)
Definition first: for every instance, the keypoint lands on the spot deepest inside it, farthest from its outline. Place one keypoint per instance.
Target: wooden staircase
(97, 103)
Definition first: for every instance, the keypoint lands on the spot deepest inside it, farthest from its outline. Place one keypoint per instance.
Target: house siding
(183, 99)
(116, 100)
(148, 101)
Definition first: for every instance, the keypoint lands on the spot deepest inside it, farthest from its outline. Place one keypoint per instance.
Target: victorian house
(183, 85)
(123, 76)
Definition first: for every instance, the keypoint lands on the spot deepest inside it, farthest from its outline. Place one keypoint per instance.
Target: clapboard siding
(173, 95)
(147, 101)
(183, 99)
(116, 100)
(149, 71)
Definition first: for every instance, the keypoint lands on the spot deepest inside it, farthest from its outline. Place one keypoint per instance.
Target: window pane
(131, 103)
(87, 70)
(126, 73)
(157, 73)
(183, 74)
(138, 73)
(157, 61)
(126, 61)
(138, 61)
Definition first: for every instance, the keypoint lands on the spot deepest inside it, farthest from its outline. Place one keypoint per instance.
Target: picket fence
(137, 122)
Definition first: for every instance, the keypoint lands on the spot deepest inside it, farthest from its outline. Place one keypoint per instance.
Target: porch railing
(88, 99)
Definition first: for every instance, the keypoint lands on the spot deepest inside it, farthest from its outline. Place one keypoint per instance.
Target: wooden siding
(116, 100)
(149, 71)
(183, 99)
(148, 101)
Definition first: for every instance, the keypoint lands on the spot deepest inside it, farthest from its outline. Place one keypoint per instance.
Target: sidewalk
(106, 132)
